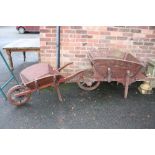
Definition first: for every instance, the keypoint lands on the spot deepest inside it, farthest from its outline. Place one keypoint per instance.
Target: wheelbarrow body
(108, 66)
(37, 77)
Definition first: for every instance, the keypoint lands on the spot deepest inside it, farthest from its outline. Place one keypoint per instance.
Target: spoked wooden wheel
(88, 86)
(87, 81)
(18, 100)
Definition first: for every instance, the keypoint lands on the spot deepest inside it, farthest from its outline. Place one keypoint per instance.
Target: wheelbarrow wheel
(18, 100)
(87, 81)
(88, 87)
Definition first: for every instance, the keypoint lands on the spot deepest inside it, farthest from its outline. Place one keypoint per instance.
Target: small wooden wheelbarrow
(108, 66)
(37, 77)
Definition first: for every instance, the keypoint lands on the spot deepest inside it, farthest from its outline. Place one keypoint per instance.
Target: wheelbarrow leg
(127, 84)
(58, 92)
(126, 90)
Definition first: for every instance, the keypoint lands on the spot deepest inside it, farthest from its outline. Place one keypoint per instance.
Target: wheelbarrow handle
(66, 79)
(59, 69)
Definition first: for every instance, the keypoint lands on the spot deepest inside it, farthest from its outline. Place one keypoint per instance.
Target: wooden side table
(22, 45)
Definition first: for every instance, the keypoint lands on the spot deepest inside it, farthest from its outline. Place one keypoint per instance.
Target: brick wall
(48, 44)
(76, 41)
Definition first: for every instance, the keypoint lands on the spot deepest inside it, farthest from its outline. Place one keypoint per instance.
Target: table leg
(39, 59)
(24, 54)
(10, 59)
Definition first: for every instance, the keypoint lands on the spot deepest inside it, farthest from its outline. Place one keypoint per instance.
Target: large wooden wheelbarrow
(109, 66)
(37, 77)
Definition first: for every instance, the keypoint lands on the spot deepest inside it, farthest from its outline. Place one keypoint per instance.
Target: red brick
(74, 36)
(87, 36)
(65, 27)
(141, 55)
(124, 30)
(80, 56)
(112, 29)
(105, 33)
(152, 48)
(44, 31)
(104, 41)
(150, 36)
(76, 27)
(152, 27)
(81, 31)
(50, 43)
(135, 30)
(122, 38)
(49, 27)
(143, 27)
(53, 30)
(45, 47)
(81, 40)
(93, 32)
(45, 39)
(111, 37)
(80, 48)
(144, 47)
(68, 47)
(138, 43)
(127, 34)
(69, 31)
(50, 35)
(145, 51)
(47, 54)
(149, 43)
(67, 55)
(90, 44)
(153, 40)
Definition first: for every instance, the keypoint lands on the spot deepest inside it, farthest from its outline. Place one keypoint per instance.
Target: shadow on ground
(103, 108)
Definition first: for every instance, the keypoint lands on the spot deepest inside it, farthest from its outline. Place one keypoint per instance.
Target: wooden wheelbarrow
(37, 77)
(108, 66)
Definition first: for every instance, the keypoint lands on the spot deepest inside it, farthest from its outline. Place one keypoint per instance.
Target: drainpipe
(58, 46)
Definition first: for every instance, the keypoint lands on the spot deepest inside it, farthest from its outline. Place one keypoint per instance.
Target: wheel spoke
(83, 85)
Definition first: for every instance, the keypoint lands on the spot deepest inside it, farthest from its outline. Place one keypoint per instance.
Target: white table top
(23, 43)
